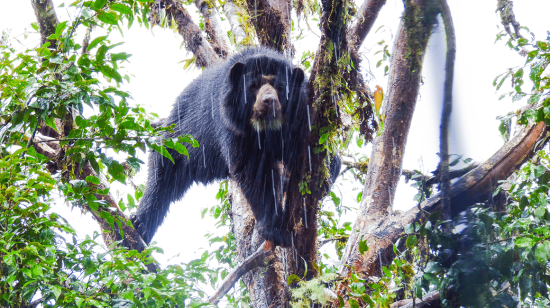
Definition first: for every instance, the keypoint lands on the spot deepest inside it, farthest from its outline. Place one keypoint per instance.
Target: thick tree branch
(232, 12)
(267, 285)
(191, 33)
(47, 20)
(364, 22)
(507, 17)
(432, 180)
(474, 187)
(430, 300)
(327, 78)
(385, 163)
(271, 21)
(213, 27)
(446, 111)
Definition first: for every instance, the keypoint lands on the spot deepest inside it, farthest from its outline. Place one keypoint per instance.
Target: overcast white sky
(159, 78)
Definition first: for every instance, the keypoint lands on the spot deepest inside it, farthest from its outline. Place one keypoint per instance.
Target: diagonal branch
(213, 27)
(364, 22)
(476, 186)
(191, 33)
(256, 259)
(232, 13)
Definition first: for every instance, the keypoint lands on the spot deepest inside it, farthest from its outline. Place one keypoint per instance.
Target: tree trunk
(388, 149)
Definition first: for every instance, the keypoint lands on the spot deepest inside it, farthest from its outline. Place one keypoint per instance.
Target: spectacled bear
(249, 116)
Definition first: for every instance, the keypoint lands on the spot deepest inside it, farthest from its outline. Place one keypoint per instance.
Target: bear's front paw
(140, 228)
(277, 236)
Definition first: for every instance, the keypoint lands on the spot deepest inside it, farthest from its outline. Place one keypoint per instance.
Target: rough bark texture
(47, 20)
(476, 186)
(232, 12)
(189, 31)
(258, 258)
(213, 28)
(323, 111)
(388, 149)
(266, 283)
(271, 22)
(430, 300)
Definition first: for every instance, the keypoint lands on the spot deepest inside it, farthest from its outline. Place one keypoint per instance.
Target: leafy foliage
(71, 98)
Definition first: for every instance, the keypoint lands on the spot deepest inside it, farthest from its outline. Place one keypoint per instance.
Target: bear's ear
(236, 73)
(298, 76)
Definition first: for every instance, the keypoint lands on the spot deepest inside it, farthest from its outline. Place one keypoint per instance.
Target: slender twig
(337, 238)
(431, 180)
(32, 137)
(73, 139)
(446, 113)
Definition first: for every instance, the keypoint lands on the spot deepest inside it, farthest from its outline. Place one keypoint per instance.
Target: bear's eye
(280, 86)
(254, 85)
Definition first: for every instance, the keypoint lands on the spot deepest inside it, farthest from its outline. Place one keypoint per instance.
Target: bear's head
(262, 87)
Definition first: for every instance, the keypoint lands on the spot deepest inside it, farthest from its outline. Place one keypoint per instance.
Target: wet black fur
(214, 109)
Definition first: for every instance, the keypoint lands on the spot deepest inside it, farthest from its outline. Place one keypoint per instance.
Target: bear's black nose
(269, 99)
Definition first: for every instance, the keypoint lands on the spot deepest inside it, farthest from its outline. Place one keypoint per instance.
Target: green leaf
(525, 242)
(100, 55)
(292, 278)
(335, 198)
(108, 17)
(108, 217)
(411, 241)
(99, 4)
(432, 278)
(542, 252)
(116, 170)
(92, 179)
(56, 290)
(121, 56)
(539, 212)
(96, 41)
(531, 55)
(149, 278)
(121, 8)
(363, 247)
(37, 270)
(539, 170)
(323, 138)
(502, 81)
(59, 29)
(162, 150)
(110, 72)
